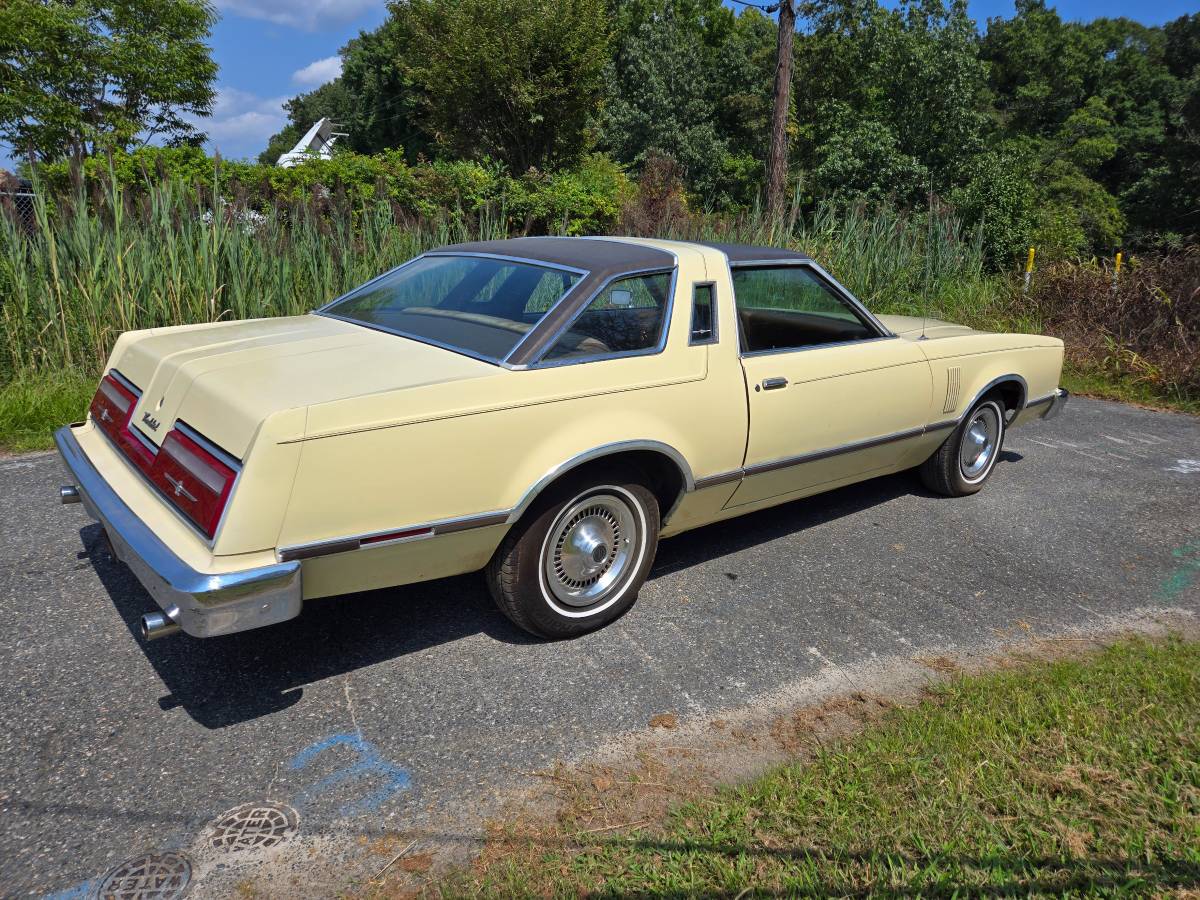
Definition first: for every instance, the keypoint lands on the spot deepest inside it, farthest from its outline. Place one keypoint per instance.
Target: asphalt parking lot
(371, 713)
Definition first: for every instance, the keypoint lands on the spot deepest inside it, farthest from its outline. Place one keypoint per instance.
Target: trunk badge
(150, 421)
(180, 490)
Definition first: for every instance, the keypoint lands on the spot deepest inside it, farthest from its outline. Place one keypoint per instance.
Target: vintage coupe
(542, 408)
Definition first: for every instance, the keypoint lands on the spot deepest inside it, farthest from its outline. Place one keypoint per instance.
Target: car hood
(914, 327)
(224, 379)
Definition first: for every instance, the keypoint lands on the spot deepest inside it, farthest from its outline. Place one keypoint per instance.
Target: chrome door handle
(774, 384)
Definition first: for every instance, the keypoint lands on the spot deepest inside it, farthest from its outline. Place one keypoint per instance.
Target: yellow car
(545, 409)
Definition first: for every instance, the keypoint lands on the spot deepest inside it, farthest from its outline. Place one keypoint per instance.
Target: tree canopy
(84, 75)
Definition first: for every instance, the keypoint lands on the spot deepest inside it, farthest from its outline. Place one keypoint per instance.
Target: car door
(832, 395)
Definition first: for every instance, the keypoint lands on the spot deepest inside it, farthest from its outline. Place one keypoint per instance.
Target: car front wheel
(576, 561)
(965, 461)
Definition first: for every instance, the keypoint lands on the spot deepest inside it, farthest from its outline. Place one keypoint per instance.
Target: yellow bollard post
(1117, 269)
(1028, 270)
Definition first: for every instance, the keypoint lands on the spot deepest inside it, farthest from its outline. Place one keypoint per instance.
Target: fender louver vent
(953, 378)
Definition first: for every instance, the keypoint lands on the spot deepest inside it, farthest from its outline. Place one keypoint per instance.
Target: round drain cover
(151, 876)
(254, 826)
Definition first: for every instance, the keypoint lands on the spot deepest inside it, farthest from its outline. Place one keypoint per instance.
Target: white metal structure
(317, 143)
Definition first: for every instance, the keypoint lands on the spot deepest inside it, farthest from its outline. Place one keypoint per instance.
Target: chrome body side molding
(789, 461)
(426, 530)
(402, 535)
(722, 478)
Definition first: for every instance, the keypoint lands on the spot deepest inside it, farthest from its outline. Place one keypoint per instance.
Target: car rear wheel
(966, 460)
(577, 559)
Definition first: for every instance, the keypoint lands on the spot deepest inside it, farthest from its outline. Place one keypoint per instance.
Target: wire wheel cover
(590, 549)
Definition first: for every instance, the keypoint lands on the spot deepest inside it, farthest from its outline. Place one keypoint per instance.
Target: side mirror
(620, 298)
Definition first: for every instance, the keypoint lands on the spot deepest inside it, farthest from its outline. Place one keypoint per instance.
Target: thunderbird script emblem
(150, 421)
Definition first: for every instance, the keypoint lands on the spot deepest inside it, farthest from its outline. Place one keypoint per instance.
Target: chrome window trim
(755, 353)
(432, 342)
(539, 362)
(426, 530)
(583, 273)
(838, 287)
(714, 332)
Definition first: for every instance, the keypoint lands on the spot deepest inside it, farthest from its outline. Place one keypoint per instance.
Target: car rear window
(474, 304)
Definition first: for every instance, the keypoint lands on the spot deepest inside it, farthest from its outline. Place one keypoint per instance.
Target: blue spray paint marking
(370, 763)
(81, 891)
(1186, 571)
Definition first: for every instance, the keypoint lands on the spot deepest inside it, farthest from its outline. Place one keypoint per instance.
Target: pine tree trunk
(781, 100)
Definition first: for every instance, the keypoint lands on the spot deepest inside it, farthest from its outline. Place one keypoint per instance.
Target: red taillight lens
(193, 479)
(188, 474)
(113, 405)
(111, 410)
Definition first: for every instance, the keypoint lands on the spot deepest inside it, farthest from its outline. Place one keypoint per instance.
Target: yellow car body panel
(343, 431)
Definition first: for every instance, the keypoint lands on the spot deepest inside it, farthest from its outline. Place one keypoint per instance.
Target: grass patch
(1079, 776)
(1106, 386)
(33, 406)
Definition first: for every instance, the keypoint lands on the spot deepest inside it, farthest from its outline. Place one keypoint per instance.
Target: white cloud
(310, 16)
(319, 72)
(242, 122)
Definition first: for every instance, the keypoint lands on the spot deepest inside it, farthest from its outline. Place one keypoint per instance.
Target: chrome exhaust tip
(68, 493)
(157, 625)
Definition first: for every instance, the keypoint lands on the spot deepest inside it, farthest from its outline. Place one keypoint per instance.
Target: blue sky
(270, 50)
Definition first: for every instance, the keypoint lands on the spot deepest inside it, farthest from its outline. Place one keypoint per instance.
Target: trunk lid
(224, 379)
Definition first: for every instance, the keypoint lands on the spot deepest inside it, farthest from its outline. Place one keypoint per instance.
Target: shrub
(1145, 328)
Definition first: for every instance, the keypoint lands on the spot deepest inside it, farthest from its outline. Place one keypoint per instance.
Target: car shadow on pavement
(237, 678)
(734, 535)
(226, 680)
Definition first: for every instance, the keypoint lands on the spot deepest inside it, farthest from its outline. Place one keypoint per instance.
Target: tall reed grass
(94, 266)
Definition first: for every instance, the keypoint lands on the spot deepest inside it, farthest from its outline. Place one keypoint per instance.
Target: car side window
(627, 316)
(791, 307)
(704, 328)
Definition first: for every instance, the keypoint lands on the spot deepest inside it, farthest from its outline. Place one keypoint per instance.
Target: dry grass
(1076, 776)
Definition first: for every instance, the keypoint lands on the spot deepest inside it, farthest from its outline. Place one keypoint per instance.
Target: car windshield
(475, 304)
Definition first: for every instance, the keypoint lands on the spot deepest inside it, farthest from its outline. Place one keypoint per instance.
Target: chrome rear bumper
(202, 604)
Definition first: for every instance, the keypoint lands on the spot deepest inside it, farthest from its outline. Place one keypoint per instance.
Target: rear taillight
(192, 478)
(111, 409)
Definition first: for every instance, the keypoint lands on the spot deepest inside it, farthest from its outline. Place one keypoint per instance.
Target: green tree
(659, 103)
(517, 80)
(887, 96)
(77, 76)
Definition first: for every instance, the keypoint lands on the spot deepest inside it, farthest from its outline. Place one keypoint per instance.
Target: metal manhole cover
(254, 826)
(151, 876)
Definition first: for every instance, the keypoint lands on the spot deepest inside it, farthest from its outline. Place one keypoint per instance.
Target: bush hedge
(583, 200)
